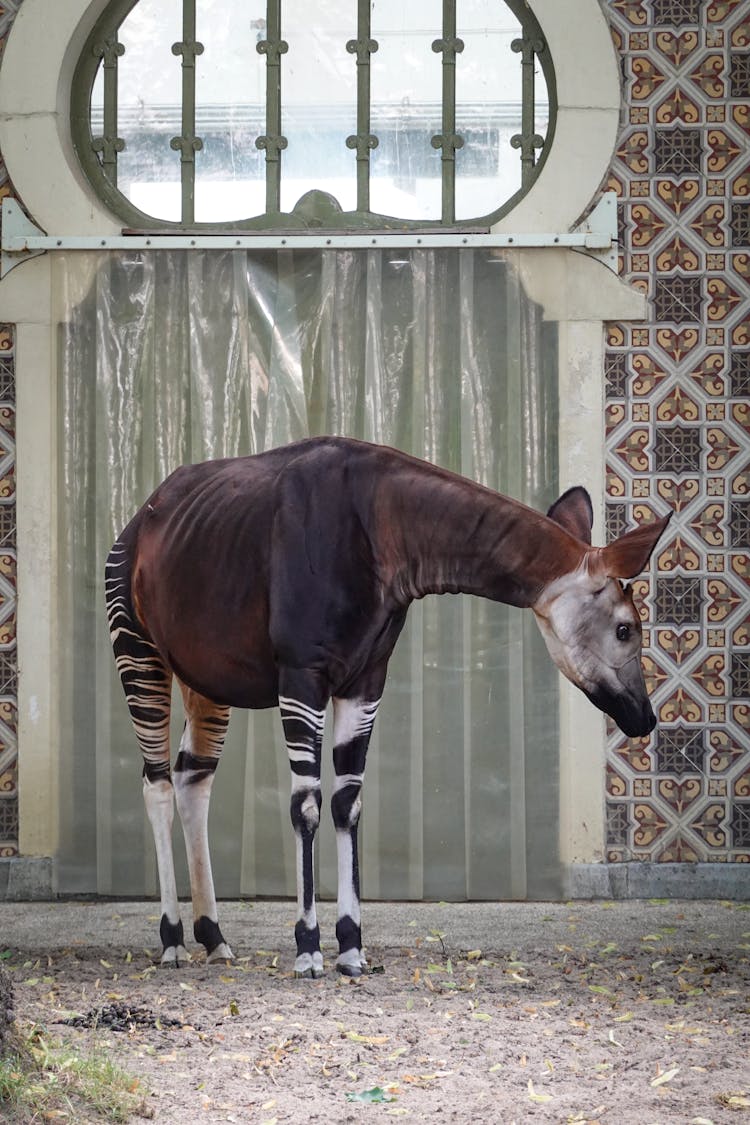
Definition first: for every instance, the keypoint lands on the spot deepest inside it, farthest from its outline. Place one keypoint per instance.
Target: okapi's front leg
(352, 726)
(303, 732)
(200, 749)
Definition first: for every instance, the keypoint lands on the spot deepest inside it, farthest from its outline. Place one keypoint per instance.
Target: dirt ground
(585, 1012)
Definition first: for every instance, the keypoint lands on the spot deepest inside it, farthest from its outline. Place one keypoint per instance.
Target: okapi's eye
(623, 632)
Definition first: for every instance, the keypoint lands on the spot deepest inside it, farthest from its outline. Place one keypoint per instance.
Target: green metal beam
(450, 46)
(363, 141)
(188, 144)
(272, 142)
(109, 144)
(528, 141)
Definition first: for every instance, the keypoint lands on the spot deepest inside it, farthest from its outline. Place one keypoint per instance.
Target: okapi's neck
(449, 535)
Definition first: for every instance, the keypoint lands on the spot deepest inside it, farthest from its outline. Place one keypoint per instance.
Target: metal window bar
(188, 143)
(273, 142)
(528, 141)
(109, 144)
(450, 46)
(363, 141)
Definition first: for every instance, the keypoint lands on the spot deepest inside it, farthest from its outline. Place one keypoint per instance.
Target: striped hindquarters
(146, 680)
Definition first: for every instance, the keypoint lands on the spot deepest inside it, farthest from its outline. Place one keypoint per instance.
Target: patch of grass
(43, 1080)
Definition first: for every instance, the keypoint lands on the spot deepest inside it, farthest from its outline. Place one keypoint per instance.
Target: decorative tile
(739, 75)
(677, 151)
(677, 449)
(678, 299)
(676, 13)
(680, 751)
(740, 224)
(678, 600)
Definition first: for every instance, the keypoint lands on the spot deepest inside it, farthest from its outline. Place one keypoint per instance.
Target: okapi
(284, 579)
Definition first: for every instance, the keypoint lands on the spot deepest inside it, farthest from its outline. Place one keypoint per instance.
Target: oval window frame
(316, 209)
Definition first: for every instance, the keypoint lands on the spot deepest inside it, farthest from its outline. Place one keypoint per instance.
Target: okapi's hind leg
(200, 749)
(147, 683)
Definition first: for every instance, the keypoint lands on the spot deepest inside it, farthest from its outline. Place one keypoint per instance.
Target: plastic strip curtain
(172, 357)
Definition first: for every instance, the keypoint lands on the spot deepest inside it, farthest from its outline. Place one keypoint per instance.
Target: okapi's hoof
(174, 956)
(173, 943)
(351, 964)
(207, 932)
(221, 953)
(309, 966)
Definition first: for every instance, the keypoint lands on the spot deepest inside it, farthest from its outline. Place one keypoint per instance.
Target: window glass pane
(230, 99)
(319, 100)
(149, 107)
(406, 109)
(488, 107)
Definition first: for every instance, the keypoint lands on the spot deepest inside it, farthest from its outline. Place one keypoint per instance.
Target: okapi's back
(195, 560)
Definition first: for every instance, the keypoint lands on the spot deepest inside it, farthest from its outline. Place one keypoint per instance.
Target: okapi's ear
(629, 554)
(575, 512)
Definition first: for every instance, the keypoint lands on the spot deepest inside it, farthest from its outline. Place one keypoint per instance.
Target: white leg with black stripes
(353, 721)
(303, 733)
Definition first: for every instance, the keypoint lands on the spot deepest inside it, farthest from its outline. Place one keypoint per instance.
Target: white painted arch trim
(36, 99)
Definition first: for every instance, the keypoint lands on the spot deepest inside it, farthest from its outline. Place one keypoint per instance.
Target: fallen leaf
(539, 1098)
(737, 1100)
(667, 1076)
(374, 1096)
(357, 1038)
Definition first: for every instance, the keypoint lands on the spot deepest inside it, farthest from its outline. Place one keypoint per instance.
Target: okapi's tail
(146, 679)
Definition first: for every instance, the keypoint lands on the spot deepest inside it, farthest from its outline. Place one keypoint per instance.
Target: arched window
(283, 114)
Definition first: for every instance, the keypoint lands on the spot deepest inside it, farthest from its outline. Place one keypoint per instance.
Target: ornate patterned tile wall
(677, 416)
(8, 665)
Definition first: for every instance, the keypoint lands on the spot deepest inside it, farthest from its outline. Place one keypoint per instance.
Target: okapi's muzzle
(630, 708)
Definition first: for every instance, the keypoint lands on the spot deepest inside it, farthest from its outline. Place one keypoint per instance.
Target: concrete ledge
(27, 879)
(32, 879)
(657, 880)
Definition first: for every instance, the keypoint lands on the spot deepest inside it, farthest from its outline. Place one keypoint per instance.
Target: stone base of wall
(27, 879)
(657, 880)
(32, 879)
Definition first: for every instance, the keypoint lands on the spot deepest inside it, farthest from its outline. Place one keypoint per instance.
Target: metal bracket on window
(22, 240)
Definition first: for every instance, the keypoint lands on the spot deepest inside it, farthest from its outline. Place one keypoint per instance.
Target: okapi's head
(589, 620)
